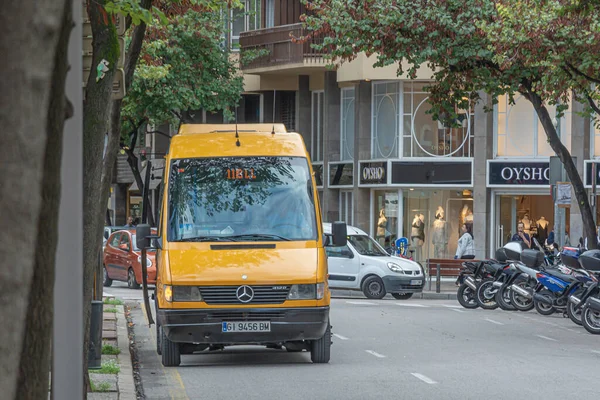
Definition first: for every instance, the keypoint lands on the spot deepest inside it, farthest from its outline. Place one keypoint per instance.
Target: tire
(373, 287)
(503, 299)
(574, 315)
(131, 280)
(466, 297)
(171, 357)
(484, 299)
(320, 350)
(543, 308)
(590, 320)
(107, 282)
(520, 302)
(402, 296)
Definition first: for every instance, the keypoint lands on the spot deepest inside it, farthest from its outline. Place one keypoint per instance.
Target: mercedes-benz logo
(245, 294)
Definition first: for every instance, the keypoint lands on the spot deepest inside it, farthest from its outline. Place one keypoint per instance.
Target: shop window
(347, 124)
(385, 217)
(432, 221)
(519, 133)
(316, 150)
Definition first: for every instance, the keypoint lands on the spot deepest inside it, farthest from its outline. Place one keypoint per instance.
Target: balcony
(283, 53)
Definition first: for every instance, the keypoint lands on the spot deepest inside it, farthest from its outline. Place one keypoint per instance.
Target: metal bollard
(429, 274)
(437, 278)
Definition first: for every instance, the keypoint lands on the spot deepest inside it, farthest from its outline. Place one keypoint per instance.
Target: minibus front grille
(245, 316)
(228, 294)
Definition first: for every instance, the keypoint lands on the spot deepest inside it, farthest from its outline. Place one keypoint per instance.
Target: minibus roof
(219, 140)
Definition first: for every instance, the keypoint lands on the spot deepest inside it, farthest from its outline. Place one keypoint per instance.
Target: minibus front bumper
(206, 325)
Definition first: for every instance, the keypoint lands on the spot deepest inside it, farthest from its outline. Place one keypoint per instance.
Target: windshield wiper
(259, 236)
(205, 239)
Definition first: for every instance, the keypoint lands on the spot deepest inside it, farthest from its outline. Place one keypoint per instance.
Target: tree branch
(582, 74)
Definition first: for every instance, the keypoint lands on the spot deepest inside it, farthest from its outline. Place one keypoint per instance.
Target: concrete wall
(331, 143)
(483, 150)
(362, 151)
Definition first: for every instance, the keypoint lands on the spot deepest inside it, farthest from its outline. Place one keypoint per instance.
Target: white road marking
(106, 294)
(340, 336)
(457, 310)
(366, 303)
(596, 351)
(546, 337)
(572, 330)
(375, 354)
(423, 378)
(452, 306)
(493, 322)
(411, 305)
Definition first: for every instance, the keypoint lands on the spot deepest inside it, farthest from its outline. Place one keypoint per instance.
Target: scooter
(590, 261)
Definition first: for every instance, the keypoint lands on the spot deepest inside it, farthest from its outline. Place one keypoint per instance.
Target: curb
(351, 294)
(125, 381)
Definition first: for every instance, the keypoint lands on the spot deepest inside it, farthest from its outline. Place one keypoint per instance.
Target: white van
(362, 264)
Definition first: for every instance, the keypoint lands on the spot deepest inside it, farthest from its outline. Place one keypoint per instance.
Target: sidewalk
(114, 381)
(447, 291)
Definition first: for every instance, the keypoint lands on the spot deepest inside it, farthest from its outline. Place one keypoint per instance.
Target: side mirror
(142, 233)
(339, 233)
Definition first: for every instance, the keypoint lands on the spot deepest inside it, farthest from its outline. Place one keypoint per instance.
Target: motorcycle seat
(560, 275)
(494, 267)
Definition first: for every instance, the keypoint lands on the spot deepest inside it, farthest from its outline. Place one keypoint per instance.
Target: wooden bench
(448, 268)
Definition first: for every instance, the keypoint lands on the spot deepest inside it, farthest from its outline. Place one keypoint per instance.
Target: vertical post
(429, 274)
(67, 338)
(437, 278)
(594, 179)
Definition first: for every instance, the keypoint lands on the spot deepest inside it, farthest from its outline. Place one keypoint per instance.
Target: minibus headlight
(303, 292)
(186, 293)
(168, 293)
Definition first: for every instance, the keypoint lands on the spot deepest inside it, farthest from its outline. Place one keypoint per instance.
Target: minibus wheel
(320, 350)
(171, 357)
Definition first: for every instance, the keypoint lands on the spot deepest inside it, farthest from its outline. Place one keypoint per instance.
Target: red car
(123, 262)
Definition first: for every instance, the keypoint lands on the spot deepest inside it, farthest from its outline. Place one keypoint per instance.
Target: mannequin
(466, 215)
(438, 234)
(542, 229)
(381, 225)
(527, 224)
(417, 234)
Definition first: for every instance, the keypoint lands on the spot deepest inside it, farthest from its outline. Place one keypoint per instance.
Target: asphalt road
(423, 349)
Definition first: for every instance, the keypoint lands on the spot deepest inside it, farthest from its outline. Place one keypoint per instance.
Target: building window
(386, 114)
(424, 137)
(270, 14)
(316, 147)
(346, 207)
(347, 124)
(241, 20)
(519, 133)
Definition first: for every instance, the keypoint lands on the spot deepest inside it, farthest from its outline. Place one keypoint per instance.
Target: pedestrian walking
(466, 245)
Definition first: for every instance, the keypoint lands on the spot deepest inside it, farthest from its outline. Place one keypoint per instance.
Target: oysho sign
(502, 173)
(373, 173)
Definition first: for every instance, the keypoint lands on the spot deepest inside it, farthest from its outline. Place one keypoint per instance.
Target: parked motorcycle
(590, 261)
(488, 288)
(468, 280)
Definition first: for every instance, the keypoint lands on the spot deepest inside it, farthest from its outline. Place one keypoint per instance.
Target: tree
(103, 115)
(183, 68)
(456, 40)
(33, 114)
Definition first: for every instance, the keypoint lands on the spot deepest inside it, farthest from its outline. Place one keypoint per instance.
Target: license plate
(416, 282)
(242, 326)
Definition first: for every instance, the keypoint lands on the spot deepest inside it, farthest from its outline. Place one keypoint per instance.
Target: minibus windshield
(241, 199)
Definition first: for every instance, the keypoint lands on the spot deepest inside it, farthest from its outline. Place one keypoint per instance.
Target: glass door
(506, 217)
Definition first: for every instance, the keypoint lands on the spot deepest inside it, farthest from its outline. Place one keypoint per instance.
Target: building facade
(383, 164)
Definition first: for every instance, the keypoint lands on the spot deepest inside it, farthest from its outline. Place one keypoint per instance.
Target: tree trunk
(29, 35)
(35, 356)
(589, 230)
(132, 160)
(96, 121)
